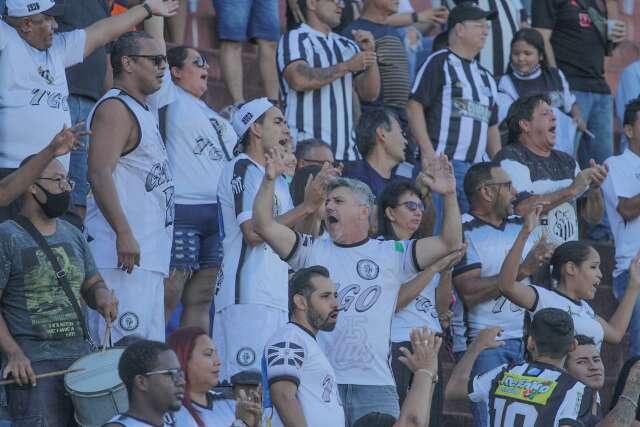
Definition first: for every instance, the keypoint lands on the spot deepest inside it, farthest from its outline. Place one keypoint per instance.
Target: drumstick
(107, 332)
(47, 375)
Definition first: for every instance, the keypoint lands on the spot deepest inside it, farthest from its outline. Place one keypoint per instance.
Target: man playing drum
(40, 330)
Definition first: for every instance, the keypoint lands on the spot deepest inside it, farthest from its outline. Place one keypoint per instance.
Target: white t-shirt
(418, 313)
(488, 247)
(34, 92)
(585, 321)
(292, 354)
(129, 421)
(199, 143)
(534, 174)
(367, 275)
(219, 412)
(249, 275)
(623, 181)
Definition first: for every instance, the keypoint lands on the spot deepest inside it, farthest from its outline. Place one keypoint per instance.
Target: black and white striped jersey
(459, 98)
(531, 395)
(325, 113)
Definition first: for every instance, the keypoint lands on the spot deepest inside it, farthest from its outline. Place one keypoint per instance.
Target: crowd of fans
(394, 196)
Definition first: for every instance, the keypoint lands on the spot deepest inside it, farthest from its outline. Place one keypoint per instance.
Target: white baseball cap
(248, 113)
(21, 8)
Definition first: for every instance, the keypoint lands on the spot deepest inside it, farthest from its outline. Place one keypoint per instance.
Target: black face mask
(56, 204)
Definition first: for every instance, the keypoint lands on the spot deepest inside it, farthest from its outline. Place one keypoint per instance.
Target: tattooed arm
(302, 77)
(624, 413)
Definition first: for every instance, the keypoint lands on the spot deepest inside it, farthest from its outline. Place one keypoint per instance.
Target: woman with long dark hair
(198, 358)
(575, 270)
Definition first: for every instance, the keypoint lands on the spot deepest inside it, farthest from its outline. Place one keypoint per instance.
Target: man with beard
(542, 175)
(155, 383)
(367, 271)
(301, 380)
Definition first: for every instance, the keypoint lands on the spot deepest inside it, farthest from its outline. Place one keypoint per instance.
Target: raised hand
(275, 163)
(437, 175)
(538, 256)
(487, 338)
(315, 192)
(532, 220)
(365, 40)
(67, 139)
(163, 7)
(634, 271)
(249, 407)
(438, 15)
(598, 173)
(425, 345)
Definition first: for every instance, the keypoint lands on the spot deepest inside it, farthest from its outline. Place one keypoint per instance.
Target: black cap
(57, 10)
(468, 11)
(251, 377)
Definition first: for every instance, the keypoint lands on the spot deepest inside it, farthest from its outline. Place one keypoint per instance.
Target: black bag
(60, 275)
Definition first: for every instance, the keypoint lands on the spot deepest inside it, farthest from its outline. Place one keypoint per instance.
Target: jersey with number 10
(531, 395)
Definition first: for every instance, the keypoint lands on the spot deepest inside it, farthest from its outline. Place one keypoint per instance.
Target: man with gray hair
(365, 271)
(313, 151)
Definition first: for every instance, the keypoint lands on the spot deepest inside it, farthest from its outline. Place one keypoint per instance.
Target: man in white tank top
(129, 218)
(155, 384)
(33, 59)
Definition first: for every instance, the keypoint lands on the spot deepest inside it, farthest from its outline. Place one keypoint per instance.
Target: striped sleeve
(291, 48)
(576, 405)
(245, 186)
(429, 81)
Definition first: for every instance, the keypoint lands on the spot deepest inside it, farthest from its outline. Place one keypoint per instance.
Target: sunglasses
(335, 164)
(200, 62)
(157, 60)
(499, 184)
(413, 206)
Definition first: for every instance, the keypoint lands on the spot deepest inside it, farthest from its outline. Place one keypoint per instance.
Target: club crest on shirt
(367, 269)
(285, 353)
(246, 356)
(129, 321)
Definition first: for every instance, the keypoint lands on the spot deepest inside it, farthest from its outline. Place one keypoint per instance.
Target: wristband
(414, 17)
(434, 377)
(148, 9)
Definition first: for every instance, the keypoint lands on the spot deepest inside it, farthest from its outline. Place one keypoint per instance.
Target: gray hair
(360, 190)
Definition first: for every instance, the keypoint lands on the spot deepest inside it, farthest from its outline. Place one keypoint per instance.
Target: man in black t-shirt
(576, 40)
(538, 393)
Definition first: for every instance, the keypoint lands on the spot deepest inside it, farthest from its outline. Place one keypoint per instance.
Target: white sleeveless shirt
(144, 184)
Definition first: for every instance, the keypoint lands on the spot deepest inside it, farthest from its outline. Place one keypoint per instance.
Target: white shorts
(140, 305)
(240, 332)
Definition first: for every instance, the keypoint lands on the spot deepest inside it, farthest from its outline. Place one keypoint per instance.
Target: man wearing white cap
(33, 94)
(252, 289)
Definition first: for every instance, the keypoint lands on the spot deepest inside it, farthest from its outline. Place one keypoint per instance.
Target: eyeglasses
(335, 164)
(499, 184)
(64, 183)
(157, 60)
(176, 374)
(200, 62)
(413, 206)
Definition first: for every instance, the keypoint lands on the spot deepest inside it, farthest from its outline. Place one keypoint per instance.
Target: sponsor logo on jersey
(129, 321)
(236, 185)
(367, 269)
(285, 353)
(472, 109)
(526, 388)
(246, 356)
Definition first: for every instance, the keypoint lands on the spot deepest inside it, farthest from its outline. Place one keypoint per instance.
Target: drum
(97, 392)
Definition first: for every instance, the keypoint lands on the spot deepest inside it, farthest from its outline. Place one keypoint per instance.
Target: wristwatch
(148, 9)
(414, 17)
(239, 423)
